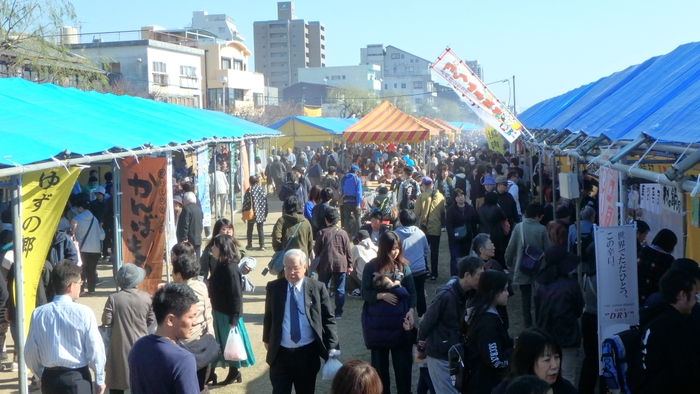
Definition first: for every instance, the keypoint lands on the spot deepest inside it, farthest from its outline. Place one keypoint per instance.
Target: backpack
(586, 241)
(331, 161)
(348, 189)
(462, 363)
(621, 356)
(385, 207)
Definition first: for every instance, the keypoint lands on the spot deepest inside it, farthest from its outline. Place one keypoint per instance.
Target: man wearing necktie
(299, 327)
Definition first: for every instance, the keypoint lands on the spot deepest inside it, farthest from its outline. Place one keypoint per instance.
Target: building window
(226, 63)
(418, 100)
(396, 56)
(159, 74)
(258, 99)
(409, 69)
(238, 64)
(395, 86)
(188, 71)
(403, 86)
(417, 85)
(343, 76)
(386, 86)
(238, 94)
(335, 77)
(159, 67)
(323, 37)
(402, 56)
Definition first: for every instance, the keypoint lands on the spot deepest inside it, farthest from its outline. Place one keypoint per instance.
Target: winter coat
(289, 189)
(460, 181)
(277, 170)
(668, 355)
(509, 207)
(62, 248)
(443, 184)
(535, 235)
(415, 248)
(333, 245)
(318, 217)
(189, 225)
(363, 253)
(490, 218)
(559, 302)
(226, 291)
(651, 266)
(88, 237)
(461, 216)
(440, 324)
(284, 228)
(259, 203)
(490, 340)
(430, 211)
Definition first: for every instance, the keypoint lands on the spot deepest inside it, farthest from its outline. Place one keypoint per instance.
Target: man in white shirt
(63, 339)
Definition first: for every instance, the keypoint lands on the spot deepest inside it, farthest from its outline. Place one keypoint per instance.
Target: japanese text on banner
(671, 200)
(473, 91)
(143, 203)
(607, 197)
(494, 140)
(44, 195)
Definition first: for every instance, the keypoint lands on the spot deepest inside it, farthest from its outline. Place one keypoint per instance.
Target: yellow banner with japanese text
(494, 139)
(44, 195)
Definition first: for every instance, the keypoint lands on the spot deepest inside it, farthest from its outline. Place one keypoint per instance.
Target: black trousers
(402, 359)
(297, 367)
(526, 301)
(90, 269)
(589, 368)
(202, 375)
(434, 242)
(261, 234)
(419, 281)
(66, 381)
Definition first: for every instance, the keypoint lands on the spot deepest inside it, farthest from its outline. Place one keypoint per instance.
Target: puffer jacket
(430, 211)
(535, 235)
(284, 228)
(440, 324)
(490, 340)
(559, 303)
(382, 323)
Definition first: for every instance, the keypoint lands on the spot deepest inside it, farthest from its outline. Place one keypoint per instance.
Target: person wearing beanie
(128, 313)
(430, 212)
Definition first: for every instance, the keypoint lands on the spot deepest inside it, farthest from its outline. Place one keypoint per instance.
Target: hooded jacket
(440, 324)
(460, 181)
(363, 253)
(430, 211)
(415, 248)
(558, 298)
(490, 340)
(284, 228)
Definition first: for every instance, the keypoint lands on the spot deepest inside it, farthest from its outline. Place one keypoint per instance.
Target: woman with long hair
(207, 262)
(257, 201)
(314, 198)
(487, 336)
(226, 294)
(388, 312)
(537, 353)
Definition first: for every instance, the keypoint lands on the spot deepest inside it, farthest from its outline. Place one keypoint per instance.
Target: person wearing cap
(559, 304)
(63, 339)
(430, 211)
(128, 314)
(99, 206)
(351, 192)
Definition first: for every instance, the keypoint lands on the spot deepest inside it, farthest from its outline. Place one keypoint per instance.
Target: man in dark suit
(299, 327)
(189, 225)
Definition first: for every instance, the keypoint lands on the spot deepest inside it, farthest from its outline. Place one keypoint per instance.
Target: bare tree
(269, 114)
(353, 102)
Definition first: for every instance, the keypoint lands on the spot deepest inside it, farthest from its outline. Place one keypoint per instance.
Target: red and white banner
(608, 197)
(480, 99)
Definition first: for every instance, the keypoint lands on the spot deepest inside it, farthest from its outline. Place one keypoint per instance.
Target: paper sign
(607, 199)
(494, 140)
(671, 201)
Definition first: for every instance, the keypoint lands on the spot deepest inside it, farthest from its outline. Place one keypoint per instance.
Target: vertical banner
(480, 99)
(44, 195)
(608, 197)
(494, 139)
(143, 205)
(203, 184)
(245, 168)
(616, 268)
(671, 201)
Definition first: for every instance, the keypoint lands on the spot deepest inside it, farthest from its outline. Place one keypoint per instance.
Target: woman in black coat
(491, 218)
(461, 223)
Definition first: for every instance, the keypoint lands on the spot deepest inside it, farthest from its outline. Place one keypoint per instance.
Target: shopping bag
(234, 350)
(330, 368)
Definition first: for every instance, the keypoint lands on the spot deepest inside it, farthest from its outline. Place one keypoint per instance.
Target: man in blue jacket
(351, 189)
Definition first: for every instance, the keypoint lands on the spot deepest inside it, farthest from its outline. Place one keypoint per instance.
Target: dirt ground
(256, 378)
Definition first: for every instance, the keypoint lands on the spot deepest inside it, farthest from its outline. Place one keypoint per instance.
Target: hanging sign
(494, 140)
(616, 268)
(143, 204)
(608, 197)
(44, 193)
(203, 184)
(671, 201)
(480, 99)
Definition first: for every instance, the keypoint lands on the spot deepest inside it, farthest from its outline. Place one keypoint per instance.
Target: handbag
(276, 264)
(106, 334)
(317, 260)
(248, 213)
(460, 232)
(206, 349)
(234, 350)
(531, 257)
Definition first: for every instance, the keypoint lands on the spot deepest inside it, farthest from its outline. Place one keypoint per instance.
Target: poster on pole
(143, 205)
(245, 168)
(494, 139)
(671, 200)
(44, 193)
(616, 278)
(203, 184)
(608, 197)
(480, 99)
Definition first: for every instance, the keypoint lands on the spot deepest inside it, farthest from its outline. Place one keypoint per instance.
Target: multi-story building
(284, 45)
(475, 66)
(163, 66)
(402, 72)
(364, 76)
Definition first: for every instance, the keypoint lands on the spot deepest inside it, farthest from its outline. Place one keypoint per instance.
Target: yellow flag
(44, 195)
(494, 139)
(313, 112)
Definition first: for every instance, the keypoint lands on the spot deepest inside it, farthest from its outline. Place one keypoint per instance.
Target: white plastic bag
(235, 351)
(331, 366)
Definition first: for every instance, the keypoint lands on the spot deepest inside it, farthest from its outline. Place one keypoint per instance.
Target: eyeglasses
(80, 282)
(293, 269)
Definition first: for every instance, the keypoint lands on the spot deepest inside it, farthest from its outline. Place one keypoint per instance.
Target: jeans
(569, 363)
(419, 282)
(458, 249)
(434, 242)
(261, 233)
(425, 385)
(339, 281)
(402, 360)
(350, 219)
(440, 375)
(90, 269)
(589, 368)
(526, 300)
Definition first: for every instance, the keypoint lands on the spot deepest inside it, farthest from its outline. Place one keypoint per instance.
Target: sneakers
(355, 293)
(262, 247)
(338, 317)
(249, 247)
(4, 356)
(15, 367)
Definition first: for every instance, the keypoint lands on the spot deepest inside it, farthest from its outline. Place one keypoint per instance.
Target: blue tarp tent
(466, 126)
(40, 121)
(658, 98)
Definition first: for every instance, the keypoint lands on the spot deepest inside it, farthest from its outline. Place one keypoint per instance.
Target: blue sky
(550, 46)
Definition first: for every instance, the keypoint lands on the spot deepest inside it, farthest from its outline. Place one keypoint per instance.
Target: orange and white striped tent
(386, 123)
(435, 128)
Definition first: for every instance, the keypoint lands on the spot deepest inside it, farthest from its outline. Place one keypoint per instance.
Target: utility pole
(514, 110)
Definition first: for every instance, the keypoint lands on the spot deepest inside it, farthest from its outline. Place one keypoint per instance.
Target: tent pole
(231, 177)
(212, 186)
(169, 212)
(117, 207)
(19, 280)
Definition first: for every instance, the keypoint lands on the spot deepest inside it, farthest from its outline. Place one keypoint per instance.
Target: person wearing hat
(430, 211)
(177, 207)
(559, 304)
(128, 313)
(351, 192)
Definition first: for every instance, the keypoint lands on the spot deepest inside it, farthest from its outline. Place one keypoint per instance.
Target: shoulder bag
(317, 260)
(248, 214)
(206, 349)
(531, 256)
(86, 233)
(276, 265)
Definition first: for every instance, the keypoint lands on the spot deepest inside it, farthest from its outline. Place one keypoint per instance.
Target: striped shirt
(64, 333)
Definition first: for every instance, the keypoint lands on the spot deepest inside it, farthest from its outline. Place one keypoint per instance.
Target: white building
(364, 76)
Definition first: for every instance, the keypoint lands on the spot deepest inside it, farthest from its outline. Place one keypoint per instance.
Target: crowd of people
(363, 222)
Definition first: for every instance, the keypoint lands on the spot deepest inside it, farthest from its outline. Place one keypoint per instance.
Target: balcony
(130, 35)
